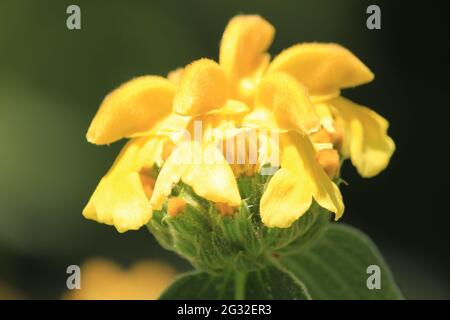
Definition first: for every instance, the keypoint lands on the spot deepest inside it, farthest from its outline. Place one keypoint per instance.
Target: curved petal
(290, 192)
(261, 117)
(120, 198)
(286, 199)
(243, 51)
(326, 117)
(244, 44)
(299, 157)
(174, 76)
(203, 168)
(213, 179)
(170, 174)
(366, 141)
(172, 125)
(213, 126)
(324, 68)
(120, 201)
(231, 107)
(203, 87)
(135, 107)
(268, 149)
(288, 102)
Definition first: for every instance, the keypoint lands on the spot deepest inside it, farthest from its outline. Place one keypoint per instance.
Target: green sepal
(213, 243)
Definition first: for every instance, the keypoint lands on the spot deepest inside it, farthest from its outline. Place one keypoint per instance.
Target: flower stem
(239, 283)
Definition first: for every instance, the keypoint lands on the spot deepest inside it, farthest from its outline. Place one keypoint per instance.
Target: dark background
(52, 81)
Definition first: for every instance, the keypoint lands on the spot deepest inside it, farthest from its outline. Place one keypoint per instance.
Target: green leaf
(334, 266)
(268, 283)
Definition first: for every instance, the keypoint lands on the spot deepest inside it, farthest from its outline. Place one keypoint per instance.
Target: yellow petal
(244, 44)
(326, 117)
(172, 125)
(174, 76)
(243, 50)
(324, 68)
(170, 174)
(231, 107)
(214, 126)
(290, 192)
(287, 198)
(203, 87)
(135, 107)
(203, 168)
(299, 158)
(366, 141)
(213, 178)
(120, 200)
(153, 150)
(288, 102)
(268, 148)
(120, 197)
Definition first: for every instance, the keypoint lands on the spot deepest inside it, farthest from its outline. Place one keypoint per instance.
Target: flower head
(237, 102)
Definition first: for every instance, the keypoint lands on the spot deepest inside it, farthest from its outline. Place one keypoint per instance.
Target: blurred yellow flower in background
(8, 292)
(102, 279)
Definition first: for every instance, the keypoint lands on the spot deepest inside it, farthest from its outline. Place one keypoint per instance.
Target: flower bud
(215, 236)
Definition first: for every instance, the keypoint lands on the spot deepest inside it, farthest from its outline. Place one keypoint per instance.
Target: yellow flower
(122, 196)
(295, 97)
(282, 103)
(325, 69)
(243, 55)
(366, 141)
(139, 107)
(152, 111)
(210, 177)
(104, 280)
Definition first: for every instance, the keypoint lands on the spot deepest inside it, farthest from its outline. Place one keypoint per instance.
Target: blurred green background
(52, 80)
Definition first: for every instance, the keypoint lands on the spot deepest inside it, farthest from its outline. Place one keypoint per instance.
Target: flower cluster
(288, 109)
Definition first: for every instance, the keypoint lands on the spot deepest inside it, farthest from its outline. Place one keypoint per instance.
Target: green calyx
(240, 242)
(238, 257)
